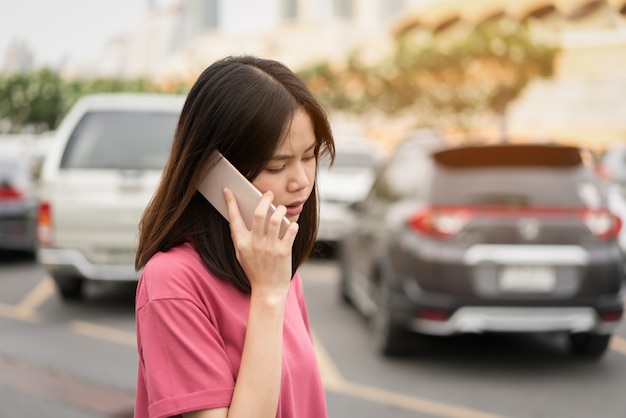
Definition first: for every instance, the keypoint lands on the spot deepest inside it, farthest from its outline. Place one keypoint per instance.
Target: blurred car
(612, 168)
(18, 205)
(346, 181)
(485, 238)
(97, 178)
(612, 164)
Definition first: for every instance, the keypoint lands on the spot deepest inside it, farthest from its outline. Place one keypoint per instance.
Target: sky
(55, 29)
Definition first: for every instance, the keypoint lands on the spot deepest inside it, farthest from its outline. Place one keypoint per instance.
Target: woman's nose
(299, 178)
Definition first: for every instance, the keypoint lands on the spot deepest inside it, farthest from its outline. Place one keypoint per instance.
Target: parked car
(612, 168)
(612, 164)
(18, 205)
(345, 182)
(485, 238)
(98, 176)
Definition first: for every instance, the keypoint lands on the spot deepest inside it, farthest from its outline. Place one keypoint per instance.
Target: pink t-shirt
(190, 333)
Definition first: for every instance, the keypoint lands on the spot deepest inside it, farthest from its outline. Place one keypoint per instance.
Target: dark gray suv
(485, 238)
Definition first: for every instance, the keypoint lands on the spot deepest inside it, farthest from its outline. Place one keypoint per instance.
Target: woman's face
(290, 173)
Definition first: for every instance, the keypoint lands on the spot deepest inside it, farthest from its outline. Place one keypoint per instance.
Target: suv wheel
(588, 345)
(389, 338)
(70, 288)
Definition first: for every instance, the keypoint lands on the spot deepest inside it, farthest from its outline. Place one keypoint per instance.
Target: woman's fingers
(234, 216)
(259, 221)
(261, 224)
(275, 225)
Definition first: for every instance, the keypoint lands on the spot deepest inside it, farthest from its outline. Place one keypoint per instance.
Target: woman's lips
(294, 209)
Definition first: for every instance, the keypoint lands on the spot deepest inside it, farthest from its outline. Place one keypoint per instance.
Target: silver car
(101, 171)
(346, 182)
(18, 205)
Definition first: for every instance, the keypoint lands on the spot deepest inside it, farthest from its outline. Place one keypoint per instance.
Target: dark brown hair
(240, 106)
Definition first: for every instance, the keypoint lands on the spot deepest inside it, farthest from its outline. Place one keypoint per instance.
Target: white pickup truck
(96, 180)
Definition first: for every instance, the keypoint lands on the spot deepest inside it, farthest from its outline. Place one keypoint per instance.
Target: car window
(514, 175)
(515, 186)
(136, 140)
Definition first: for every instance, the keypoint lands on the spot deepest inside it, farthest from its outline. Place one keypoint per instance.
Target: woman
(222, 325)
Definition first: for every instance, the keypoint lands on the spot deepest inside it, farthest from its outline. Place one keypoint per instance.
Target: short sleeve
(184, 359)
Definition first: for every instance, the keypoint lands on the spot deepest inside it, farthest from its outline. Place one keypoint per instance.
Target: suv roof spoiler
(509, 155)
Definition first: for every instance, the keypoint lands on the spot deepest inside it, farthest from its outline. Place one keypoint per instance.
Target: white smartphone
(224, 174)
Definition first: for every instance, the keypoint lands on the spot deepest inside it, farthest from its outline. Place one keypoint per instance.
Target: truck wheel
(70, 288)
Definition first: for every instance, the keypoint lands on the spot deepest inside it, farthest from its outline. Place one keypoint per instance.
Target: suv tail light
(602, 223)
(445, 222)
(440, 222)
(44, 224)
(8, 192)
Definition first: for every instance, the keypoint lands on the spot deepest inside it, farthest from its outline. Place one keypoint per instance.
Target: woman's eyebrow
(286, 156)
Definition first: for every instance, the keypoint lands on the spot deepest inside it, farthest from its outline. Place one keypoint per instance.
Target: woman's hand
(266, 260)
(264, 256)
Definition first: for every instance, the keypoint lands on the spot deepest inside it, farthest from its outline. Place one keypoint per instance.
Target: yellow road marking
(105, 333)
(333, 381)
(9, 311)
(36, 297)
(25, 310)
(411, 403)
(330, 373)
(618, 344)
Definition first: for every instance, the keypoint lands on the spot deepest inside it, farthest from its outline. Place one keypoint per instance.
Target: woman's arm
(266, 259)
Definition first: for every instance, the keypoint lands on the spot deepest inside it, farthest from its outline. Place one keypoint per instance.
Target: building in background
(181, 38)
(18, 58)
(585, 101)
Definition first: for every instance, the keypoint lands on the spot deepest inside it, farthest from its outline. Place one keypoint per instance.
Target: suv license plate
(527, 279)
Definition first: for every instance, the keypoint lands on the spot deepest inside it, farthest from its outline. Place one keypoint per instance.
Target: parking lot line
(411, 403)
(65, 389)
(618, 344)
(36, 297)
(333, 381)
(9, 311)
(105, 333)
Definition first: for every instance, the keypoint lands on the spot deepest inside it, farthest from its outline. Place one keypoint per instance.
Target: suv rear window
(511, 175)
(127, 140)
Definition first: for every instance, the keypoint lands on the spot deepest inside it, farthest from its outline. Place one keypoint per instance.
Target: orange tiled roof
(440, 15)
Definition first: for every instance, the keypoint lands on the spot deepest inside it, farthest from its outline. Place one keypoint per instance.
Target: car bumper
(465, 290)
(18, 233)
(518, 319)
(73, 262)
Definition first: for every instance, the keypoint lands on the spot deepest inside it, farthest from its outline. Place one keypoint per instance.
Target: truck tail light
(44, 224)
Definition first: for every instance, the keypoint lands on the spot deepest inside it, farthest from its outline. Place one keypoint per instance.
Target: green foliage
(34, 99)
(445, 79)
(39, 100)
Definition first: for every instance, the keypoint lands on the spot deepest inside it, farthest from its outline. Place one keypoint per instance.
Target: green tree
(31, 99)
(39, 100)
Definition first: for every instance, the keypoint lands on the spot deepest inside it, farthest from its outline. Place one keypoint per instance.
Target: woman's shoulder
(174, 258)
(175, 273)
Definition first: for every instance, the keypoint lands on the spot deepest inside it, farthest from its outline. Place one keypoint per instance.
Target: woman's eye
(274, 170)
(309, 157)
